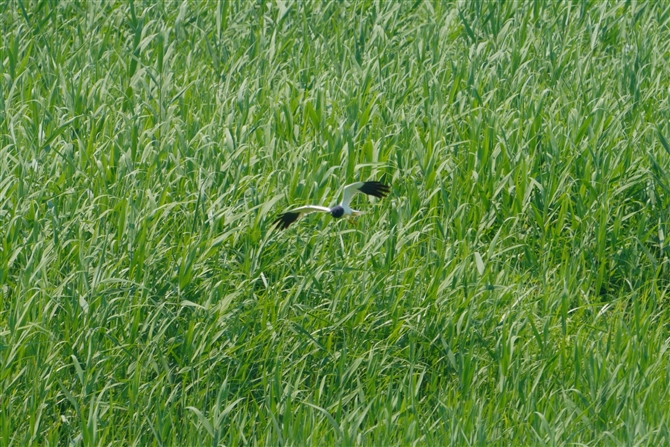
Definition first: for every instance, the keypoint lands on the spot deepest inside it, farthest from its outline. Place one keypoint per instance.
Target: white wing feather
(310, 209)
(349, 192)
(286, 219)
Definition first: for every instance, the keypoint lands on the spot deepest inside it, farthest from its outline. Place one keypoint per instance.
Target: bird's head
(337, 211)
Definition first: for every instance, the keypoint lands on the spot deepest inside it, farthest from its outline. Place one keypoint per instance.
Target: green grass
(512, 289)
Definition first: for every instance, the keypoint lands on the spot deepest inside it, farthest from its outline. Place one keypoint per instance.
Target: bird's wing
(376, 189)
(287, 218)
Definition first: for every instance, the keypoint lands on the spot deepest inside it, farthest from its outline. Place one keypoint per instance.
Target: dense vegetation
(512, 289)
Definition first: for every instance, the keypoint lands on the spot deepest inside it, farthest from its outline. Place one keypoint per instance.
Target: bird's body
(375, 189)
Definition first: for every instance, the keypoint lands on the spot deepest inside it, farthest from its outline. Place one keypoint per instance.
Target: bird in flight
(375, 189)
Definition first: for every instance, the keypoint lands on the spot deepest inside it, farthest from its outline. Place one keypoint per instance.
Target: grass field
(511, 290)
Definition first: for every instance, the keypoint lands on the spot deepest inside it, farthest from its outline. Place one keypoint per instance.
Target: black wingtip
(284, 220)
(375, 189)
